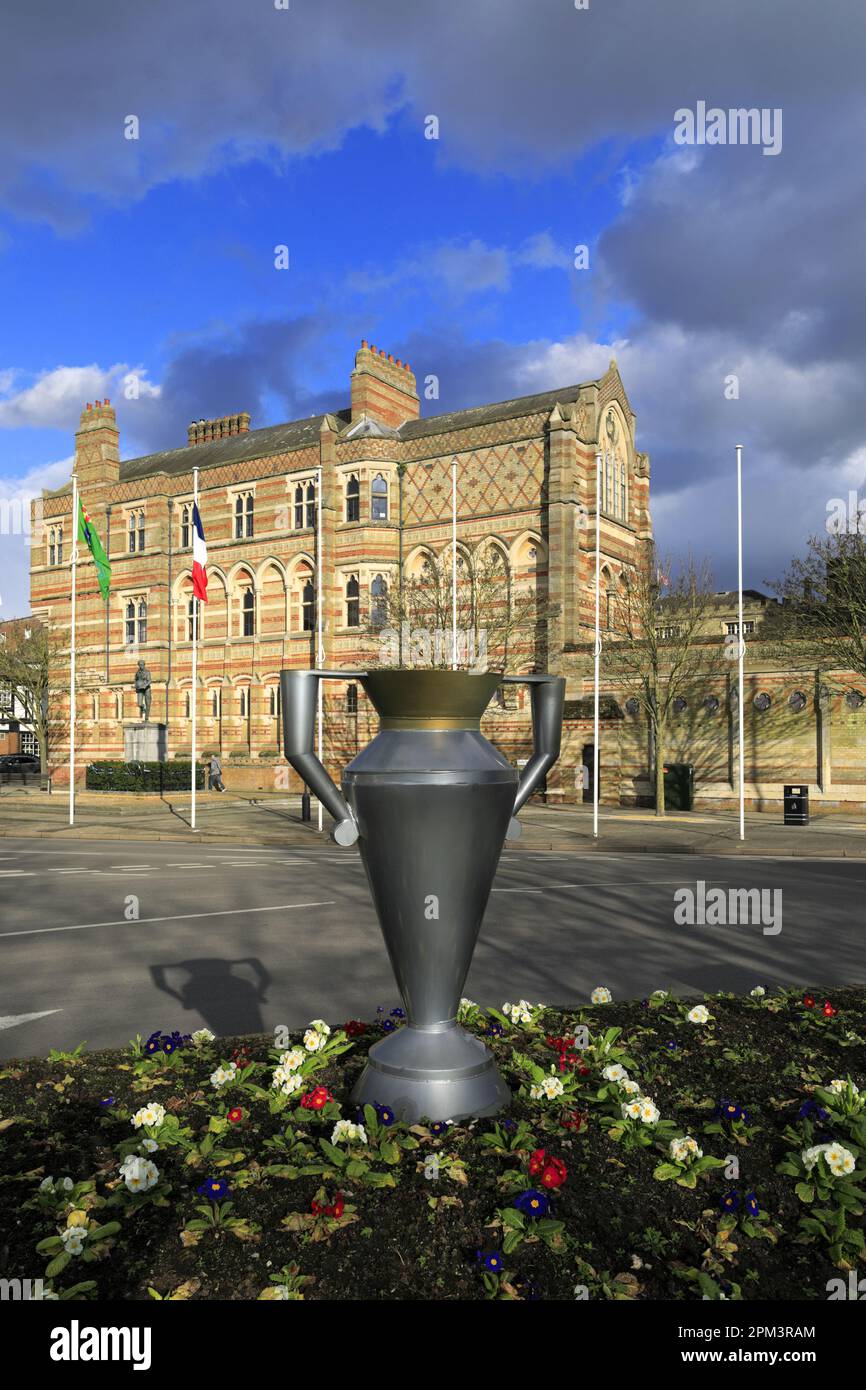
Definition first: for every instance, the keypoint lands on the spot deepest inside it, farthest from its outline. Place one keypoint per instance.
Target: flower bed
(654, 1150)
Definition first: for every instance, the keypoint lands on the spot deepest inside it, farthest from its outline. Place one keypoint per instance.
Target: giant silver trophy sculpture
(430, 803)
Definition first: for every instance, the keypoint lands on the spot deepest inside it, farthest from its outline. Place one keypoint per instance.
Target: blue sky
(307, 128)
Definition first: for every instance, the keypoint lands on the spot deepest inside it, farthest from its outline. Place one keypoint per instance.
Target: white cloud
(57, 397)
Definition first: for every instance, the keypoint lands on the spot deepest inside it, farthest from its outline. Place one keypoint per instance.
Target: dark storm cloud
(735, 262)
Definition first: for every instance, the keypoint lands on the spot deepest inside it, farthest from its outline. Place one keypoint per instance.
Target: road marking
(131, 866)
(181, 917)
(17, 873)
(189, 866)
(13, 1020)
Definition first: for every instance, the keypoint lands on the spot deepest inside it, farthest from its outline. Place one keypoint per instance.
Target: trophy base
(438, 1073)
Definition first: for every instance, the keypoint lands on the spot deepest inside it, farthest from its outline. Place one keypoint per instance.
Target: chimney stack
(204, 431)
(97, 447)
(383, 388)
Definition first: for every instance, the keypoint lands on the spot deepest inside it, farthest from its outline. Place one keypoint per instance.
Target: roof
(300, 434)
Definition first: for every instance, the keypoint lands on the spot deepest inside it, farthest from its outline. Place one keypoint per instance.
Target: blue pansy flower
(491, 1259)
(753, 1206)
(107, 1100)
(730, 1201)
(532, 1203)
(217, 1189)
(384, 1114)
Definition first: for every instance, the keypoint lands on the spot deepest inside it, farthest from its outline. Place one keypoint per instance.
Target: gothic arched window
(353, 499)
(379, 602)
(353, 602)
(379, 499)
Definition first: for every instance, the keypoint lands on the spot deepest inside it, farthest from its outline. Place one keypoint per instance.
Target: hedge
(142, 776)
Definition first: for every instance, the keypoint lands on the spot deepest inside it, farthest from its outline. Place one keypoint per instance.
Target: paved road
(243, 939)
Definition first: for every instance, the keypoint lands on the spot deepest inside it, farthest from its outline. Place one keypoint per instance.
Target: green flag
(87, 533)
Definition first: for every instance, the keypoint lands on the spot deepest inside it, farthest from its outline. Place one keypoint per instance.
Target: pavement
(274, 819)
(101, 940)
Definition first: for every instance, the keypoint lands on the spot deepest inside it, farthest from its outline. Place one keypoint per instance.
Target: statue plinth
(144, 743)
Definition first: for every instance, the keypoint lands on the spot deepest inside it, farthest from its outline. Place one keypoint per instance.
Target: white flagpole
(454, 564)
(597, 649)
(72, 653)
(194, 696)
(742, 641)
(320, 648)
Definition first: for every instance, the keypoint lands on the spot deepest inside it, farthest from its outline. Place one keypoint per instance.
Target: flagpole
(742, 643)
(454, 564)
(72, 652)
(194, 695)
(597, 648)
(320, 653)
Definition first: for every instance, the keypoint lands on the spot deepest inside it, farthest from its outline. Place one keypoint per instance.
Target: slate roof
(300, 434)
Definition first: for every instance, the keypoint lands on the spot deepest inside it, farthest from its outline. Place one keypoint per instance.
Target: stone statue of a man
(142, 690)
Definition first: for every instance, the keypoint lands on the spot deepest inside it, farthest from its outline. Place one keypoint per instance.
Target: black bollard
(305, 805)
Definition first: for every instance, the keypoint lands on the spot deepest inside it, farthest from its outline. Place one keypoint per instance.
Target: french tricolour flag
(199, 557)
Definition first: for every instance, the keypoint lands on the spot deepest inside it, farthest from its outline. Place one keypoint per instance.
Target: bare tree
(29, 665)
(499, 623)
(822, 615)
(659, 649)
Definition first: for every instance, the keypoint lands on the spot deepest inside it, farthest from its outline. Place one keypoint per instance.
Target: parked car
(20, 762)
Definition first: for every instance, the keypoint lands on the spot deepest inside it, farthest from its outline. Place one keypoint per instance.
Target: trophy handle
(548, 699)
(299, 694)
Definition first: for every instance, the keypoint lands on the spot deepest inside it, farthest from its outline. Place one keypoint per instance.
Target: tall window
(311, 505)
(353, 602)
(274, 701)
(55, 545)
(187, 704)
(353, 499)
(308, 607)
(215, 703)
(623, 494)
(379, 499)
(378, 602)
(135, 531)
(243, 515)
(299, 508)
(351, 699)
(135, 622)
(190, 620)
(244, 701)
(185, 521)
(248, 613)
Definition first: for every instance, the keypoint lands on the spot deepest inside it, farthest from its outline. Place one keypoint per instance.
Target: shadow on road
(228, 1002)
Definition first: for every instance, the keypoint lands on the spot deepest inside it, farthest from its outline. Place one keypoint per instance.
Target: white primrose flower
(321, 1026)
(685, 1149)
(615, 1073)
(660, 994)
(810, 1156)
(518, 1013)
(601, 995)
(224, 1076)
(202, 1036)
(73, 1239)
(699, 1014)
(314, 1041)
(839, 1160)
(758, 992)
(649, 1112)
(468, 1004)
(46, 1185)
(838, 1087)
(150, 1146)
(631, 1109)
(66, 1183)
(150, 1115)
(139, 1174)
(346, 1130)
(631, 1088)
(291, 1060)
(287, 1082)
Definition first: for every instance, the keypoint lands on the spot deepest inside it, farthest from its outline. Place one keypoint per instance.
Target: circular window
(854, 699)
(762, 701)
(711, 704)
(632, 705)
(680, 704)
(797, 701)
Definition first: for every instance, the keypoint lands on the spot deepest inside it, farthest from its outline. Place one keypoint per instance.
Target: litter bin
(796, 803)
(679, 786)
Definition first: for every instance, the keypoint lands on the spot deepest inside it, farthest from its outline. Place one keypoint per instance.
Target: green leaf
(805, 1191)
(337, 1156)
(665, 1171)
(58, 1264)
